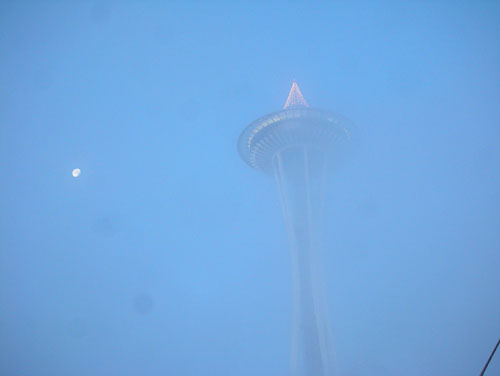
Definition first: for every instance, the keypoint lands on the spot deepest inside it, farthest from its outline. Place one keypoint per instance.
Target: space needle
(295, 145)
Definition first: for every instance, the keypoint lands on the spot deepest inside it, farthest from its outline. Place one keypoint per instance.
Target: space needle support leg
(317, 284)
(280, 178)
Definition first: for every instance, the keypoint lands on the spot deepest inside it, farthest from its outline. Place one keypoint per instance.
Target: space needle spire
(295, 97)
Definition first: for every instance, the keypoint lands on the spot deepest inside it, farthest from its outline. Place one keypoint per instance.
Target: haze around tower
(169, 256)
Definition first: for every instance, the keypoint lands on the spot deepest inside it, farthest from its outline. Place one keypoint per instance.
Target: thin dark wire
(489, 359)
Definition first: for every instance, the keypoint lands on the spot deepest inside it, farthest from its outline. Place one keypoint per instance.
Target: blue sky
(168, 255)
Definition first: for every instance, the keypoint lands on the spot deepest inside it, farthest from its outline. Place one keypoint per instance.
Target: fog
(168, 255)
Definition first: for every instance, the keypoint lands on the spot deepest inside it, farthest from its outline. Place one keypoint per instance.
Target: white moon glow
(76, 172)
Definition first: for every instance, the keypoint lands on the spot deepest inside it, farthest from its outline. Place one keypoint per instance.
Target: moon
(76, 172)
